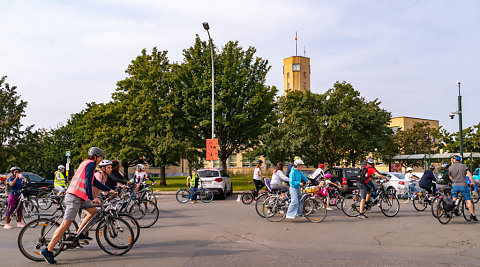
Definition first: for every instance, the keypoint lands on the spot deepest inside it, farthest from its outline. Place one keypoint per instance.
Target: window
(233, 161)
(304, 85)
(288, 75)
(245, 161)
(33, 178)
(288, 85)
(215, 163)
(304, 75)
(208, 173)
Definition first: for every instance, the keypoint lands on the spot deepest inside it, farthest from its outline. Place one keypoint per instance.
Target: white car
(397, 181)
(217, 180)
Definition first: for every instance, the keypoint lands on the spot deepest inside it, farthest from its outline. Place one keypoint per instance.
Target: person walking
(296, 181)
(15, 182)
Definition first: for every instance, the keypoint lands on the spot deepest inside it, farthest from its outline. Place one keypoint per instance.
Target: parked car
(217, 180)
(345, 177)
(396, 181)
(35, 182)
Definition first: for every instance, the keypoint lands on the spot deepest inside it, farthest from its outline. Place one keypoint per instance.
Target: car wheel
(231, 190)
(224, 193)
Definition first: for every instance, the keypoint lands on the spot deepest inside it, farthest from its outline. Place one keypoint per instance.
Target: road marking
(239, 198)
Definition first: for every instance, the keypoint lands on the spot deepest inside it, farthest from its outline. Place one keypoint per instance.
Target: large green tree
(243, 102)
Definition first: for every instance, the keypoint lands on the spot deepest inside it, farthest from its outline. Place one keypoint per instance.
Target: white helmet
(104, 163)
(298, 162)
(61, 167)
(409, 169)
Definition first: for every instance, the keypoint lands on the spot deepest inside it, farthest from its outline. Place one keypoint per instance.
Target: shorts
(461, 189)
(364, 190)
(73, 204)
(59, 189)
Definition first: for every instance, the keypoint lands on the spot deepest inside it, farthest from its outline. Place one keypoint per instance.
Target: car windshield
(34, 178)
(351, 173)
(208, 173)
(400, 176)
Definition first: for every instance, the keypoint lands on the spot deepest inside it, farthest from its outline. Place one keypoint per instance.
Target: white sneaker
(7, 226)
(20, 225)
(290, 218)
(329, 209)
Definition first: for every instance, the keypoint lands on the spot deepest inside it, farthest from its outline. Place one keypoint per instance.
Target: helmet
(370, 161)
(445, 165)
(457, 157)
(432, 167)
(296, 157)
(141, 166)
(328, 175)
(15, 168)
(321, 165)
(61, 167)
(194, 169)
(104, 163)
(259, 161)
(298, 162)
(95, 151)
(409, 169)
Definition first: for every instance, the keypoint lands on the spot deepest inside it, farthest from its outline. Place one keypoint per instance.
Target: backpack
(448, 203)
(362, 175)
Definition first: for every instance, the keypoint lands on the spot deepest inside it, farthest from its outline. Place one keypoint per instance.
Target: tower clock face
(296, 67)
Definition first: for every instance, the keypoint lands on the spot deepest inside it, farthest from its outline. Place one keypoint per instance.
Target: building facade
(296, 74)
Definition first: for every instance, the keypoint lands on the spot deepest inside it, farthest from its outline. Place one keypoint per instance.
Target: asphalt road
(228, 233)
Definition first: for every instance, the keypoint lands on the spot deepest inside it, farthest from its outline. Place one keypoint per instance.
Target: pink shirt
(102, 178)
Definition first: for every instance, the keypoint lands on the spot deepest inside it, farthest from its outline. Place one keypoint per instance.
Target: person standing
(458, 173)
(59, 183)
(296, 181)
(193, 181)
(15, 183)
(257, 178)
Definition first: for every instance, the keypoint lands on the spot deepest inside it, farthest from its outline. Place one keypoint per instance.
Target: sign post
(212, 149)
(67, 166)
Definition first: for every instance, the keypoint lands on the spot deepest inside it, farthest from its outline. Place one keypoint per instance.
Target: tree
(417, 140)
(243, 103)
(12, 109)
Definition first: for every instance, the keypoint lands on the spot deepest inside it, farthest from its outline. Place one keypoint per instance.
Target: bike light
(219, 180)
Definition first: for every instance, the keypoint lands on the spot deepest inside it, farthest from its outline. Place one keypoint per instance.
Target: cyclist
(60, 182)
(367, 187)
(79, 195)
(410, 179)
(318, 175)
(458, 172)
(193, 181)
(15, 183)
(290, 166)
(443, 180)
(116, 178)
(140, 177)
(326, 186)
(102, 175)
(296, 178)
(426, 181)
(257, 178)
(278, 177)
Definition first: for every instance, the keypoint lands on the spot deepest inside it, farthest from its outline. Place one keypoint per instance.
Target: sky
(409, 54)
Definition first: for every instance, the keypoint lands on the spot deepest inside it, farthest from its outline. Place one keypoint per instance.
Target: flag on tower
(295, 36)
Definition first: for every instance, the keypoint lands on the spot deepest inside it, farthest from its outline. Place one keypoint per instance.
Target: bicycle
(248, 197)
(334, 196)
(43, 200)
(436, 200)
(389, 204)
(146, 192)
(30, 210)
(422, 200)
(113, 234)
(144, 211)
(444, 214)
(205, 194)
(406, 194)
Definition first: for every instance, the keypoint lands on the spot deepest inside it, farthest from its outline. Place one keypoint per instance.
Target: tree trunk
(163, 180)
(224, 163)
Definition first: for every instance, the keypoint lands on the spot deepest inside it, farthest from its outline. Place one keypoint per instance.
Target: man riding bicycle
(79, 196)
(140, 177)
(366, 188)
(458, 172)
(60, 183)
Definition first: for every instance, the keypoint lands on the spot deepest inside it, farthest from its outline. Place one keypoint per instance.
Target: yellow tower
(296, 74)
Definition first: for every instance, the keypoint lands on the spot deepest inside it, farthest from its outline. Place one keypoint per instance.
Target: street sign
(68, 164)
(67, 154)
(212, 149)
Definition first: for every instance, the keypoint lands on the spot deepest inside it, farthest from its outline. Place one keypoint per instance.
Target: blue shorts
(461, 189)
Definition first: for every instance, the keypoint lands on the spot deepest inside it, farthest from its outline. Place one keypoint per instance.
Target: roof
(435, 156)
(413, 118)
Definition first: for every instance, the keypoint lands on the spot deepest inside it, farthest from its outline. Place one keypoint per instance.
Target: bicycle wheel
(114, 236)
(145, 212)
(475, 196)
(435, 203)
(315, 209)
(30, 211)
(44, 202)
(133, 223)
(420, 203)
(275, 209)
(3, 208)
(338, 202)
(206, 195)
(389, 205)
(466, 212)
(443, 217)
(247, 198)
(259, 204)
(351, 205)
(36, 235)
(183, 195)
(151, 196)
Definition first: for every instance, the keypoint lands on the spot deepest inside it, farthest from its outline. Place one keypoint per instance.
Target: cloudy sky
(409, 54)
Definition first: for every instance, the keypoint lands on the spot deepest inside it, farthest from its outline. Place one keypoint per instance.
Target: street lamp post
(460, 120)
(206, 27)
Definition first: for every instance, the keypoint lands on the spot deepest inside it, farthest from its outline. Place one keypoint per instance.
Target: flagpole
(296, 50)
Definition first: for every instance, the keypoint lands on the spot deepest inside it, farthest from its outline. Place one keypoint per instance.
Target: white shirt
(278, 177)
(257, 174)
(318, 174)
(408, 178)
(140, 177)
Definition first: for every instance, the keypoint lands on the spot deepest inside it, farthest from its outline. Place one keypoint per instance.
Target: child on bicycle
(15, 183)
(326, 187)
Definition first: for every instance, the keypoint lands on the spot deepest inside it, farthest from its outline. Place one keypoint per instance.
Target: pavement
(229, 233)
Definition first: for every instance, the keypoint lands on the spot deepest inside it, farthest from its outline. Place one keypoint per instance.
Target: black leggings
(429, 190)
(258, 185)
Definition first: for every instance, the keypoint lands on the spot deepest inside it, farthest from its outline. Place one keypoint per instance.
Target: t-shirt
(442, 177)
(278, 177)
(458, 171)
(257, 174)
(140, 177)
(371, 171)
(17, 186)
(115, 177)
(317, 175)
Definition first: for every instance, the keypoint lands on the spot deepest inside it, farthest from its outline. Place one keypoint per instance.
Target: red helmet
(321, 165)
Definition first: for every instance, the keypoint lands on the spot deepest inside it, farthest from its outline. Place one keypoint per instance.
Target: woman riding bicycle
(278, 177)
(15, 183)
(257, 178)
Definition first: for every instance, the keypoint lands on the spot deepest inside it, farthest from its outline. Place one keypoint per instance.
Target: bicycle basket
(311, 189)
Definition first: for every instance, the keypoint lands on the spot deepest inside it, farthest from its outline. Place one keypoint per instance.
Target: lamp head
(458, 82)
(205, 26)
(452, 115)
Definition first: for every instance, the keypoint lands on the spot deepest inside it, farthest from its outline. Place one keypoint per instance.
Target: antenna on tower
(296, 53)
(304, 52)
